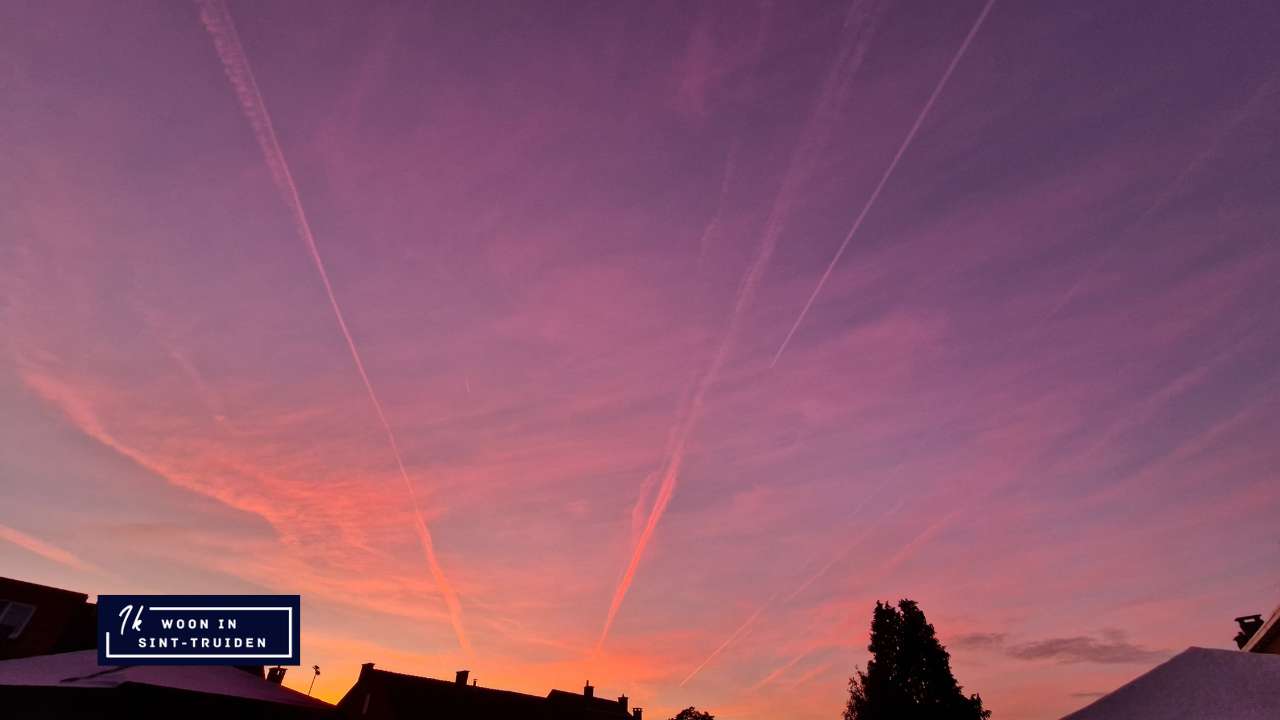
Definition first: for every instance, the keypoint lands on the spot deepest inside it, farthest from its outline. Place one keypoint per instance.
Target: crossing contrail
(1169, 190)
(858, 222)
(893, 164)
(236, 64)
(1141, 220)
(1161, 200)
(861, 22)
(742, 629)
(1168, 193)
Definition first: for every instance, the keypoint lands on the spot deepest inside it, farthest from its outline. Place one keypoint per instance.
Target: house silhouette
(48, 669)
(383, 695)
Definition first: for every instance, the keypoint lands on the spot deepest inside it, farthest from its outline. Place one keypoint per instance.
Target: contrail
(893, 164)
(779, 671)
(704, 243)
(849, 59)
(672, 466)
(1165, 196)
(1169, 191)
(39, 547)
(638, 518)
(742, 629)
(236, 64)
(848, 548)
(856, 224)
(884, 568)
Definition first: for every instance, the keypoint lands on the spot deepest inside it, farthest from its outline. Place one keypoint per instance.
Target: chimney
(1249, 626)
(588, 691)
(276, 674)
(636, 714)
(622, 700)
(365, 668)
(462, 677)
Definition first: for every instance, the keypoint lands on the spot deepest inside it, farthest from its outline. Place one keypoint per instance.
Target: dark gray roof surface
(1196, 684)
(80, 669)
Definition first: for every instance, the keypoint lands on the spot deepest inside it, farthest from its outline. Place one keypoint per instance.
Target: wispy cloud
(978, 641)
(1112, 648)
(218, 22)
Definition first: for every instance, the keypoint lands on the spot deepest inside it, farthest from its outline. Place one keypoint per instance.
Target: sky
(479, 326)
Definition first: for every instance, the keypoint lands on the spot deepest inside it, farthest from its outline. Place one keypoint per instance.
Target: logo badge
(198, 629)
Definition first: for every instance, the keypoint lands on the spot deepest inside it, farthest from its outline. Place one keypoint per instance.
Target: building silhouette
(383, 695)
(49, 671)
(40, 620)
(1258, 636)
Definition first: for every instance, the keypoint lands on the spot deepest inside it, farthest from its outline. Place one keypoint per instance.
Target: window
(14, 617)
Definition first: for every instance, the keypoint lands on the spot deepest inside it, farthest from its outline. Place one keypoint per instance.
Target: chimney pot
(589, 691)
(1249, 626)
(622, 700)
(636, 713)
(462, 677)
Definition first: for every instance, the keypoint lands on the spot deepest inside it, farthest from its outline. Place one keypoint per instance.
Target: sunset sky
(1038, 393)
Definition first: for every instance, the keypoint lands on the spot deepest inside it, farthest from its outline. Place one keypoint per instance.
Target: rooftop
(380, 694)
(1195, 684)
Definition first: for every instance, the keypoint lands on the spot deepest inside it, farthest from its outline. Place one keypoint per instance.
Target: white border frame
(211, 657)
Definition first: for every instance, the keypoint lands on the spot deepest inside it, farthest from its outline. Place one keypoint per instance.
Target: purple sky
(1039, 392)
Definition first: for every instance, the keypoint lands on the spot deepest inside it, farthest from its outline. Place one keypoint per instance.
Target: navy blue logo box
(198, 629)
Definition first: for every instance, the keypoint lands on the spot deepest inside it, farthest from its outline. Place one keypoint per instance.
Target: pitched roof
(81, 670)
(406, 696)
(55, 620)
(1195, 684)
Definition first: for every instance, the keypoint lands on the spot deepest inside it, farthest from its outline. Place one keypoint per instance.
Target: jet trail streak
(742, 629)
(39, 547)
(860, 23)
(236, 64)
(1161, 200)
(1164, 198)
(893, 164)
(870, 201)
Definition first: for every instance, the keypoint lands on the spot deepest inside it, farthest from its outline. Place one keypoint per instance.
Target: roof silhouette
(379, 695)
(80, 669)
(73, 685)
(1196, 683)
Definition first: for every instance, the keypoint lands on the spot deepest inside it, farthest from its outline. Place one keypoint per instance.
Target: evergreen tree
(691, 713)
(909, 675)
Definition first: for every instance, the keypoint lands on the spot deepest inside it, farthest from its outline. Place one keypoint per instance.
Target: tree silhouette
(909, 675)
(691, 713)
